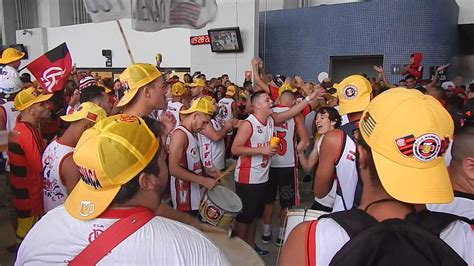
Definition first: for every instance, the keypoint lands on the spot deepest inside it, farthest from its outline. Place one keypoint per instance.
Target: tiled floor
(7, 235)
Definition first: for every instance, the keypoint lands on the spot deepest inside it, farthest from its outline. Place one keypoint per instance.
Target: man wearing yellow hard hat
(25, 149)
(10, 61)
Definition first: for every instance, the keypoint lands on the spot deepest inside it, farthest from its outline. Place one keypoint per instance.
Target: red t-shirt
(25, 149)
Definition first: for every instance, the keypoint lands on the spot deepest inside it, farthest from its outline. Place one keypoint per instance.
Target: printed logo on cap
(349, 92)
(127, 118)
(87, 208)
(368, 124)
(425, 148)
(89, 177)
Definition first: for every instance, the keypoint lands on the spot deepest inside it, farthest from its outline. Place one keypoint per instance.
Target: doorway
(343, 66)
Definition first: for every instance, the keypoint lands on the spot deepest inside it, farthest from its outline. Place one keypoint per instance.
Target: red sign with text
(198, 40)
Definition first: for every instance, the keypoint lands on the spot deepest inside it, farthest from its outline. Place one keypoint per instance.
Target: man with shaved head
(462, 176)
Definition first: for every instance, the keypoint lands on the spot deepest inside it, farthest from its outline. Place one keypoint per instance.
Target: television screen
(226, 40)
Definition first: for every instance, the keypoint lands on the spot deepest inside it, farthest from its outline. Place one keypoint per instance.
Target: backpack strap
(310, 243)
(353, 221)
(434, 222)
(111, 237)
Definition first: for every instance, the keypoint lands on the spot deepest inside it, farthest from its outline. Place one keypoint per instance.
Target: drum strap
(310, 243)
(112, 237)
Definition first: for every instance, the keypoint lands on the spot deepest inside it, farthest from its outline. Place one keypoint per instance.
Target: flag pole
(125, 41)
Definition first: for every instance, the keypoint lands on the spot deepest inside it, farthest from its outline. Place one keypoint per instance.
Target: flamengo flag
(52, 69)
(154, 15)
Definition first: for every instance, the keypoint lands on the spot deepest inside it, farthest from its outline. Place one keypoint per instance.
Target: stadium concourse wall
(86, 42)
(302, 40)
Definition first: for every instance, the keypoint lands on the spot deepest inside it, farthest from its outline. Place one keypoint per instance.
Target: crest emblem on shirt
(194, 152)
(259, 129)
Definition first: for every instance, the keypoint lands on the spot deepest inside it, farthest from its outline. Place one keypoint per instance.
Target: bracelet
(307, 99)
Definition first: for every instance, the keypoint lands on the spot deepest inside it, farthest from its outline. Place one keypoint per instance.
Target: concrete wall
(231, 13)
(86, 41)
(466, 11)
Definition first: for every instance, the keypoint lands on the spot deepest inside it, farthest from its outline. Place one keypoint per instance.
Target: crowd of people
(106, 168)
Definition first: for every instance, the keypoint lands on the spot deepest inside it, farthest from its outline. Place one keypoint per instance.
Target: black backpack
(413, 241)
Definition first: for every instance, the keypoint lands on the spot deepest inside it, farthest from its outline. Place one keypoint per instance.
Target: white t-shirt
(58, 237)
(331, 237)
(54, 191)
(462, 205)
(8, 71)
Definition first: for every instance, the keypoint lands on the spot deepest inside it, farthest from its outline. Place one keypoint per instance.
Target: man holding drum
(184, 160)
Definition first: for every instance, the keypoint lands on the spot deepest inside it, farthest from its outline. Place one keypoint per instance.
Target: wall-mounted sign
(198, 40)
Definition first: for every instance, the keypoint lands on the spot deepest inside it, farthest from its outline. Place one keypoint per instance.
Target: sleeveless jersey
(330, 237)
(186, 195)
(173, 108)
(224, 108)
(286, 151)
(254, 169)
(212, 153)
(330, 198)
(54, 191)
(347, 176)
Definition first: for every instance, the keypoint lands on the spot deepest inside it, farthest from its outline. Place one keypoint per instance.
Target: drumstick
(228, 170)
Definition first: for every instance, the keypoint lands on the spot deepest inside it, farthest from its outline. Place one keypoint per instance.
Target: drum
(220, 206)
(297, 216)
(236, 250)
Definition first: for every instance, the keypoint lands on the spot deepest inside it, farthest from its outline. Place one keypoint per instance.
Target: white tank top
(347, 176)
(186, 195)
(254, 169)
(330, 198)
(224, 112)
(54, 191)
(173, 108)
(331, 237)
(212, 153)
(286, 152)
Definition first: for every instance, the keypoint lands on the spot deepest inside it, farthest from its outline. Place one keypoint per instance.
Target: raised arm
(381, 72)
(260, 84)
(436, 76)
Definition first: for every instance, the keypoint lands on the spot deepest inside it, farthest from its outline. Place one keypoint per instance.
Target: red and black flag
(52, 69)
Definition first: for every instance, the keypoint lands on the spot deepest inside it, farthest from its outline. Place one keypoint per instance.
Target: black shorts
(282, 179)
(253, 201)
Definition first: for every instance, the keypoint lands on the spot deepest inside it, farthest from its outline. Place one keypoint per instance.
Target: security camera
(27, 32)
